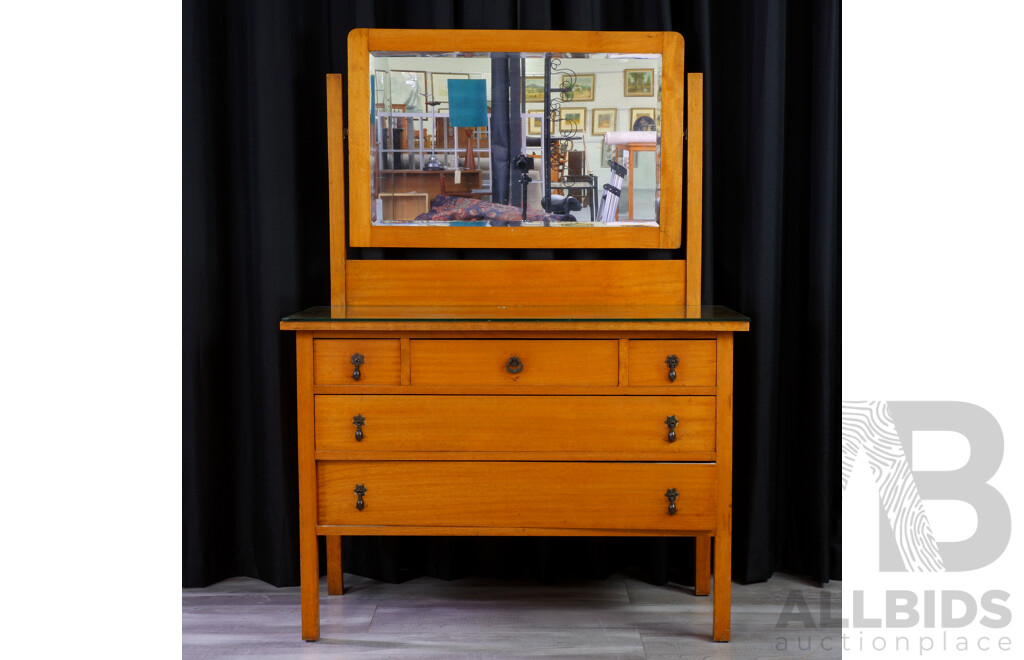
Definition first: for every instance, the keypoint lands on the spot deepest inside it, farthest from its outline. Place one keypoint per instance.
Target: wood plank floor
(620, 617)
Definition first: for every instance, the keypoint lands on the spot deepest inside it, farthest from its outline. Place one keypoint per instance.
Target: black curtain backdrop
(256, 249)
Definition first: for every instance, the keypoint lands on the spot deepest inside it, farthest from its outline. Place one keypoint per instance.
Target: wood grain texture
(516, 494)
(336, 185)
(694, 186)
(723, 535)
(647, 366)
(671, 166)
(537, 41)
(667, 235)
(529, 424)
(516, 283)
(335, 578)
(332, 362)
(549, 362)
(359, 137)
(309, 553)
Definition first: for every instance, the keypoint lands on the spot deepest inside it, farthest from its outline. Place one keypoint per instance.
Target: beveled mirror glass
(462, 148)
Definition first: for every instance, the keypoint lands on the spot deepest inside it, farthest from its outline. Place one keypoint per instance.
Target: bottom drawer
(515, 494)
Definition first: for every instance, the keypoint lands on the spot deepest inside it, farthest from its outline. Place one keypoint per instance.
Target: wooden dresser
(515, 397)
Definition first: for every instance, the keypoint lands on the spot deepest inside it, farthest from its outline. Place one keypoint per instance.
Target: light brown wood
(514, 494)
(309, 571)
(623, 362)
(335, 578)
(579, 237)
(723, 534)
(552, 362)
(404, 205)
(529, 424)
(447, 530)
(468, 328)
(575, 444)
(360, 156)
(667, 235)
(617, 455)
(673, 99)
(336, 186)
(332, 362)
(702, 581)
(517, 388)
(526, 41)
(694, 185)
(647, 366)
(516, 283)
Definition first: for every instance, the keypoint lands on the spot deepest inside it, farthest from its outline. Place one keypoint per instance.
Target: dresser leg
(702, 583)
(335, 582)
(723, 588)
(309, 578)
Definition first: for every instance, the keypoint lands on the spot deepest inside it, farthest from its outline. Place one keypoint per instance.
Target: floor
(620, 617)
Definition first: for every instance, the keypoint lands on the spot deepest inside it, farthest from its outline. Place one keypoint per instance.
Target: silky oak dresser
(511, 396)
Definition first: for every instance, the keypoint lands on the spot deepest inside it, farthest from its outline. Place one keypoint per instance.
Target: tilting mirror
(497, 139)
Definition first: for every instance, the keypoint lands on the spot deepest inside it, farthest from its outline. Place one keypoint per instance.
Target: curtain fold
(255, 241)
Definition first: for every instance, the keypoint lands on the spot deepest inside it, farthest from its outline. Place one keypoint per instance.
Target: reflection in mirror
(509, 139)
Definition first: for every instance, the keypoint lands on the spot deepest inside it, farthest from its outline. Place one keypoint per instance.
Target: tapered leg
(723, 588)
(702, 584)
(335, 582)
(309, 554)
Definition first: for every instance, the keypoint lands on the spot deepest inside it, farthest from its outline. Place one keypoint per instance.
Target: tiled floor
(621, 617)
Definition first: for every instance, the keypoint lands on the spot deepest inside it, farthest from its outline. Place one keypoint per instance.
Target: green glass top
(618, 313)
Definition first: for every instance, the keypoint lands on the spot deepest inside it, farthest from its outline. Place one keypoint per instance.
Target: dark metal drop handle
(357, 361)
(672, 361)
(671, 422)
(358, 421)
(514, 365)
(360, 491)
(671, 494)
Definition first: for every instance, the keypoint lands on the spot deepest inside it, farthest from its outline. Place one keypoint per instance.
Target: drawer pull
(357, 361)
(360, 491)
(671, 494)
(358, 421)
(672, 361)
(514, 365)
(671, 422)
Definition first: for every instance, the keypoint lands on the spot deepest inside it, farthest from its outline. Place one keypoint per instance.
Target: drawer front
(648, 365)
(514, 494)
(515, 362)
(638, 424)
(380, 361)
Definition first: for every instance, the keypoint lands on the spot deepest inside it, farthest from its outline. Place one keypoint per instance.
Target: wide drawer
(642, 425)
(651, 363)
(515, 362)
(380, 362)
(514, 494)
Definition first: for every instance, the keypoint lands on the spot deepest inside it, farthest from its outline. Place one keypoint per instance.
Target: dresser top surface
(661, 314)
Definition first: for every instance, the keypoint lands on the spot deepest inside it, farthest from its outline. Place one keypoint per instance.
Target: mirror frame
(364, 41)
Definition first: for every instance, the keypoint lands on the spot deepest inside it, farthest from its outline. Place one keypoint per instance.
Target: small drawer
(538, 495)
(515, 362)
(357, 362)
(642, 427)
(650, 363)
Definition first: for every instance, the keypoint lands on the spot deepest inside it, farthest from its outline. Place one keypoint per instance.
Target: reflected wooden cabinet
(514, 397)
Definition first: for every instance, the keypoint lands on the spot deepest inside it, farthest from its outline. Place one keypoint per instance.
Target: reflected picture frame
(638, 82)
(533, 89)
(638, 114)
(603, 120)
(570, 116)
(534, 125)
(583, 88)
